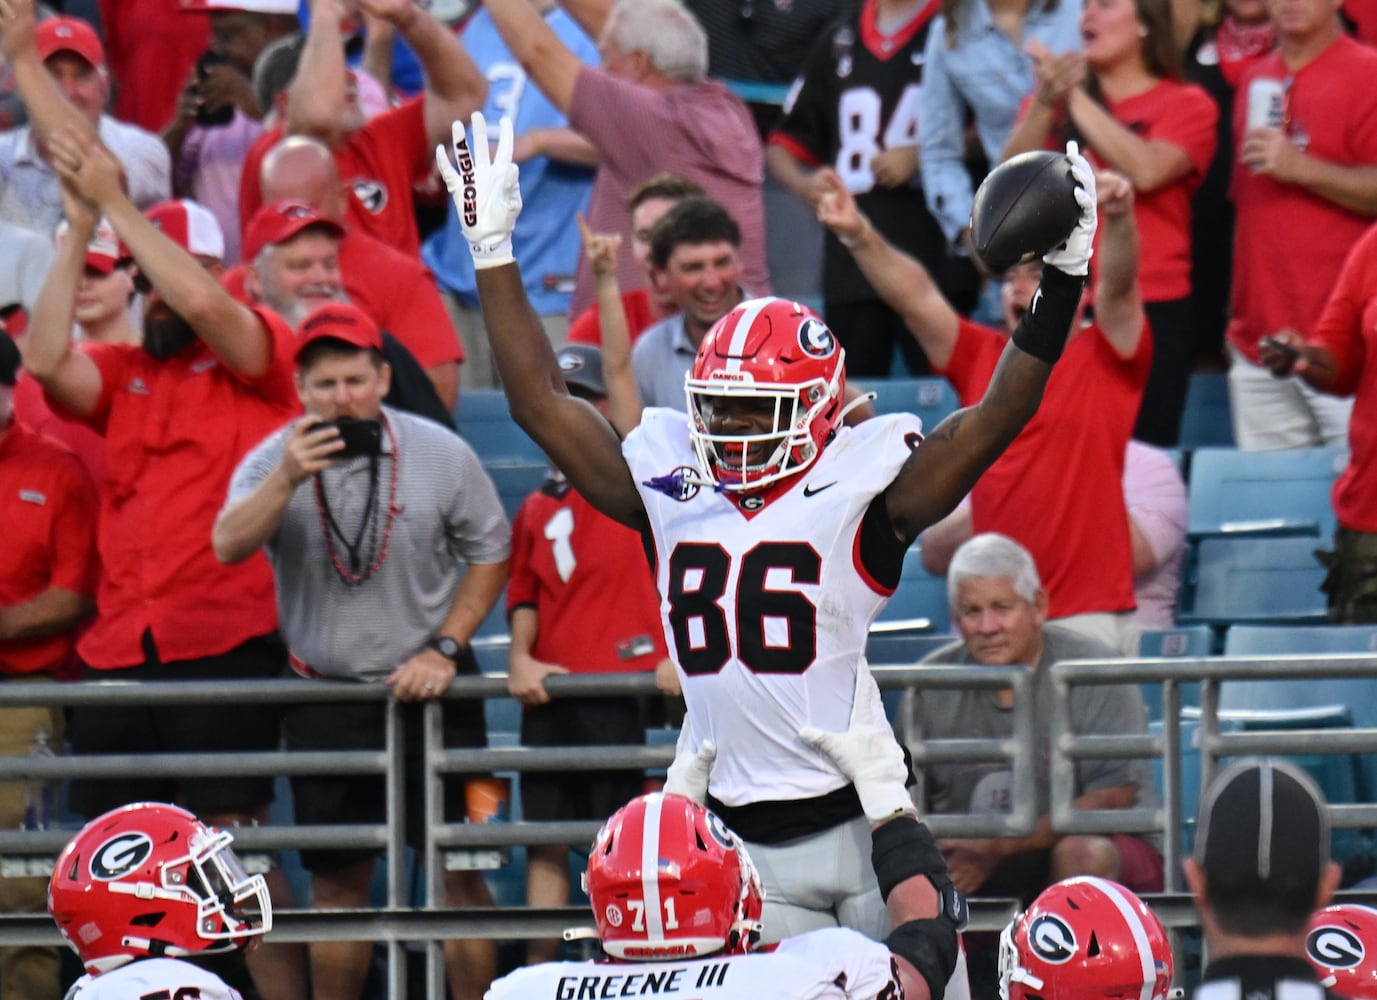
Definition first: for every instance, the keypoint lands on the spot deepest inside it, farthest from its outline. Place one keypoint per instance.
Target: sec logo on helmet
(816, 339)
(120, 855)
(1052, 939)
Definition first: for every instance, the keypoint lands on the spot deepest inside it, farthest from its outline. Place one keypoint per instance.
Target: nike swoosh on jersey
(809, 491)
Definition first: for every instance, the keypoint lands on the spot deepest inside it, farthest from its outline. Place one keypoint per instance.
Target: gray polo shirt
(28, 186)
(660, 360)
(447, 511)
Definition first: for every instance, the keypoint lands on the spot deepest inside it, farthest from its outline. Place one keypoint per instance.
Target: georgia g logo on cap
(1052, 939)
(120, 855)
(1334, 947)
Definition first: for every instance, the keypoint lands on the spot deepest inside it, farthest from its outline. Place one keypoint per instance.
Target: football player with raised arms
(677, 902)
(776, 534)
(145, 886)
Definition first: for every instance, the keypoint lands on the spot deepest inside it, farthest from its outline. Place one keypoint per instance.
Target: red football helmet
(1336, 945)
(151, 879)
(779, 352)
(702, 896)
(1085, 939)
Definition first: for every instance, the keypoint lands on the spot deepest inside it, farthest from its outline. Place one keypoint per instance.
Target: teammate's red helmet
(1336, 945)
(151, 879)
(704, 895)
(1085, 939)
(773, 350)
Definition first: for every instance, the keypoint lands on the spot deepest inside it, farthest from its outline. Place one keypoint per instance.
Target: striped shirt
(447, 510)
(28, 186)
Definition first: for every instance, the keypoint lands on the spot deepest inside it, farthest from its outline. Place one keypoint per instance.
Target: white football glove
(1073, 256)
(868, 753)
(688, 774)
(485, 190)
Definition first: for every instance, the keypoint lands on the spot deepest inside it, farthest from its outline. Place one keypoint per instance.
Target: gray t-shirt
(986, 787)
(446, 510)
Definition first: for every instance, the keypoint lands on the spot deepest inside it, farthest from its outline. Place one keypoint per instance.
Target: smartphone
(1276, 345)
(361, 437)
(220, 116)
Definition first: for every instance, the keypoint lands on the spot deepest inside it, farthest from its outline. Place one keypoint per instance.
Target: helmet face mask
(1339, 945)
(1085, 939)
(150, 879)
(703, 898)
(780, 356)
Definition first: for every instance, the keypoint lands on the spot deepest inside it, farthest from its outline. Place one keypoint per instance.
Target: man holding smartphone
(366, 514)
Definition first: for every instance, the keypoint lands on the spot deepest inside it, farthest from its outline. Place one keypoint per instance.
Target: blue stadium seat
(903, 647)
(931, 397)
(1358, 695)
(516, 480)
(1252, 579)
(920, 596)
(486, 424)
(1185, 642)
(1282, 492)
(1207, 418)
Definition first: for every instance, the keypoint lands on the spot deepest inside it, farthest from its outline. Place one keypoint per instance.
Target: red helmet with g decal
(778, 352)
(1085, 938)
(1337, 946)
(703, 897)
(151, 879)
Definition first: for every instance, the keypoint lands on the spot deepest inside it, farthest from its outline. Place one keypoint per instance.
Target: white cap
(248, 6)
(191, 226)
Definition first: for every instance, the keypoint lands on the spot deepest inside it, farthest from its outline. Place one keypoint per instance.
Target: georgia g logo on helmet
(1334, 947)
(1052, 939)
(816, 339)
(120, 855)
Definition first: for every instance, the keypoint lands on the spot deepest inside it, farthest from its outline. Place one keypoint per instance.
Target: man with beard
(211, 378)
(293, 255)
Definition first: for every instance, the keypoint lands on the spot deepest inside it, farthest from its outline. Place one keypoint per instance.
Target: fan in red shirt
(382, 157)
(1057, 489)
(1124, 100)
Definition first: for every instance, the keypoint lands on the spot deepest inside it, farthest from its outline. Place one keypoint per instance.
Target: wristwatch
(448, 647)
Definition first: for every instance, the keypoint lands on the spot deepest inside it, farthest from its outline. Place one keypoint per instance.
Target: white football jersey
(833, 963)
(153, 979)
(766, 611)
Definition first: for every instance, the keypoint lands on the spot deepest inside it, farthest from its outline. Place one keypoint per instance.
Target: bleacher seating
(1187, 641)
(920, 596)
(1282, 492)
(1255, 579)
(931, 397)
(1358, 695)
(515, 481)
(1207, 418)
(486, 424)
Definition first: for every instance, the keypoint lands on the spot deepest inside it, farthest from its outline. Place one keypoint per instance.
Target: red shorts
(1140, 864)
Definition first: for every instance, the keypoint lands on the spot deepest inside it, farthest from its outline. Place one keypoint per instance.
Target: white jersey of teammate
(836, 962)
(766, 611)
(153, 979)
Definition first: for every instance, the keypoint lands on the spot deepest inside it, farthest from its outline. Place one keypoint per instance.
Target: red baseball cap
(69, 34)
(338, 321)
(191, 226)
(282, 221)
(105, 250)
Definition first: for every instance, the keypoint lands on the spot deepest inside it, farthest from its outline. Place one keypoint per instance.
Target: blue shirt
(987, 72)
(546, 238)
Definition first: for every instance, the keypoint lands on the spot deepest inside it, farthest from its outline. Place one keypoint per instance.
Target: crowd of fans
(194, 194)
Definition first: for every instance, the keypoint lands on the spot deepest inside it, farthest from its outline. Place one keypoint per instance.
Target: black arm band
(1043, 330)
(903, 848)
(931, 947)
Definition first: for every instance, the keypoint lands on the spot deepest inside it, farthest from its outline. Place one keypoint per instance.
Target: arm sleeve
(941, 115)
(522, 584)
(1339, 327)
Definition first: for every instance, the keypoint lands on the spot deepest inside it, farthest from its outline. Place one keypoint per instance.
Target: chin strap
(860, 400)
